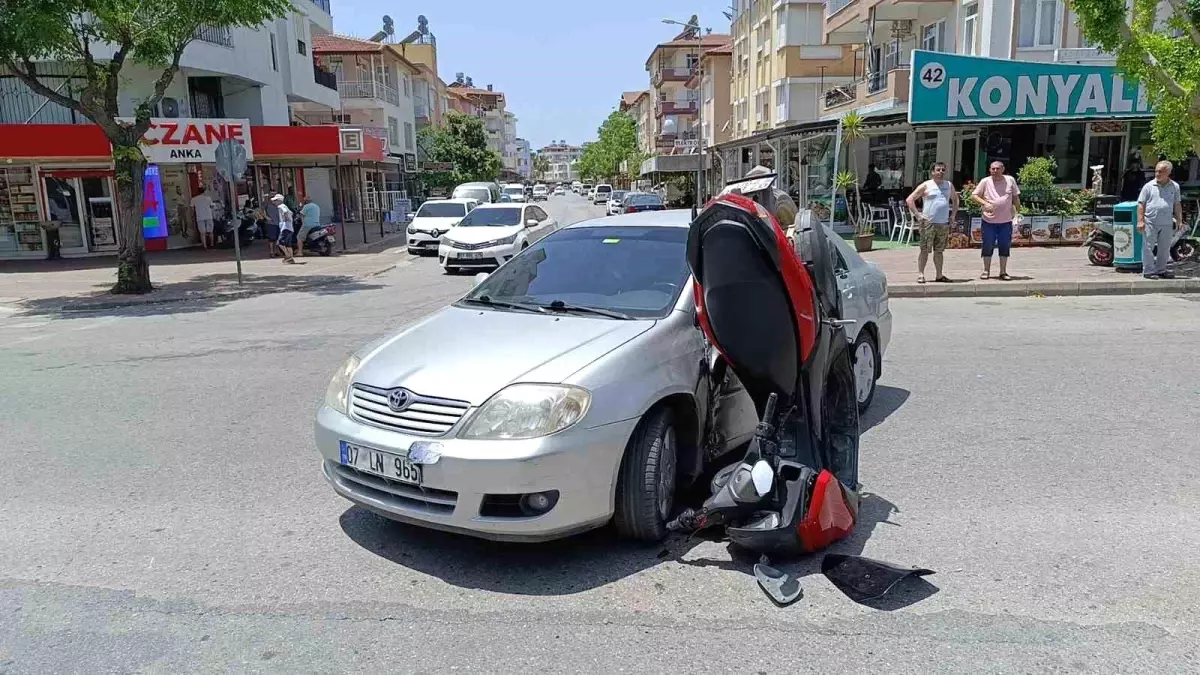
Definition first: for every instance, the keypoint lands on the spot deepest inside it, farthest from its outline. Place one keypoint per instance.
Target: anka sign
(185, 140)
(949, 88)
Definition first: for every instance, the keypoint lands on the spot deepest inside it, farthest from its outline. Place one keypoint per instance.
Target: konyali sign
(953, 88)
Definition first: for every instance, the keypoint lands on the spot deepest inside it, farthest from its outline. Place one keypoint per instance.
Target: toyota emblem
(399, 399)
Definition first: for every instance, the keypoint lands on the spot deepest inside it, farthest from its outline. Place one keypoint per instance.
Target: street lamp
(699, 104)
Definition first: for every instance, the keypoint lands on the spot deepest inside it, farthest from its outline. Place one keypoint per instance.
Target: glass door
(1105, 149)
(62, 202)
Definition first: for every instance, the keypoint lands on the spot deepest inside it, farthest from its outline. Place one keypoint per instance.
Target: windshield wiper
(560, 306)
(501, 304)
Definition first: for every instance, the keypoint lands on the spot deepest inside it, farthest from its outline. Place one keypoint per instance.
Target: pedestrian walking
(272, 224)
(1159, 212)
(999, 196)
(202, 205)
(310, 217)
(939, 208)
(287, 232)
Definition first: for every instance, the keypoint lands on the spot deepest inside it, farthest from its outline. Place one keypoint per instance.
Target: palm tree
(852, 132)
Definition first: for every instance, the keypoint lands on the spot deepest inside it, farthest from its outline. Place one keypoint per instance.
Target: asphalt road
(163, 508)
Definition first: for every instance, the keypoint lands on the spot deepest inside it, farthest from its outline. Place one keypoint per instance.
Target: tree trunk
(133, 272)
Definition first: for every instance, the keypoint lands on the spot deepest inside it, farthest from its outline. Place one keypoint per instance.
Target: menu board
(1045, 229)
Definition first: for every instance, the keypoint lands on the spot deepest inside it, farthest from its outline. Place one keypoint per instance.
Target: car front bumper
(491, 256)
(422, 240)
(580, 463)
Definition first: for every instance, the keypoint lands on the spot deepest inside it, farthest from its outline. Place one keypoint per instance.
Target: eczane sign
(186, 140)
(949, 88)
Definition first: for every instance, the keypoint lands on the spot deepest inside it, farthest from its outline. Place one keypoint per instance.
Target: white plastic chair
(904, 230)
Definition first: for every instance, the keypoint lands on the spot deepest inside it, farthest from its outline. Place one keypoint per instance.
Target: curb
(1021, 289)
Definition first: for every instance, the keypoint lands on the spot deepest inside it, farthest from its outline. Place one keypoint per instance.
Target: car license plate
(471, 255)
(380, 463)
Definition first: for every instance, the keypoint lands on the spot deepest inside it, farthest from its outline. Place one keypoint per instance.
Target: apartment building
(561, 158)
(430, 97)
(499, 124)
(675, 102)
(524, 159)
(982, 92)
(642, 111)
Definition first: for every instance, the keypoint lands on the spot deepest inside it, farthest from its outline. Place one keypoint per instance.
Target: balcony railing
(325, 78)
(421, 110)
(215, 35)
(838, 96)
(684, 107)
(368, 89)
(673, 75)
(878, 81)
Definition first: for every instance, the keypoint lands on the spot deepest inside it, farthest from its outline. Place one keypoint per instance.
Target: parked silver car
(567, 389)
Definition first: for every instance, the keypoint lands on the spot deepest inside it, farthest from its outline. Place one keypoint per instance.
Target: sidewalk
(82, 284)
(1062, 270)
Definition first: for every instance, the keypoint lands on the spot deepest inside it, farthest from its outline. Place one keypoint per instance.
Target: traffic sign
(231, 159)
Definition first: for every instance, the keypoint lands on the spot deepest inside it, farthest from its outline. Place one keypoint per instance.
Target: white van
(603, 193)
(484, 192)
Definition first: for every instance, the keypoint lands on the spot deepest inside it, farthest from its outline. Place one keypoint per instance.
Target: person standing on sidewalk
(272, 224)
(287, 231)
(939, 208)
(1159, 212)
(999, 196)
(202, 204)
(310, 217)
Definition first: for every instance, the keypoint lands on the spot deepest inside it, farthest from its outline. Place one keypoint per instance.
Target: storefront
(64, 174)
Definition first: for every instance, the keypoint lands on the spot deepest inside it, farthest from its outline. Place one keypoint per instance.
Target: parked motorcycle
(1184, 246)
(223, 232)
(320, 240)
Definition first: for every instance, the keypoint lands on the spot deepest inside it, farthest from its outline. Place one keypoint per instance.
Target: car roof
(456, 200)
(667, 218)
(503, 205)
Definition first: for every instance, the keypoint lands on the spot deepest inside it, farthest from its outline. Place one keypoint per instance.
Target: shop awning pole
(362, 202)
(341, 198)
(379, 204)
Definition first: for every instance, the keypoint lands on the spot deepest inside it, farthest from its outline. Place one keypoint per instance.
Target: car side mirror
(479, 279)
(532, 222)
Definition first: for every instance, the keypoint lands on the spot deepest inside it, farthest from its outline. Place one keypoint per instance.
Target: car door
(549, 223)
(852, 286)
(532, 232)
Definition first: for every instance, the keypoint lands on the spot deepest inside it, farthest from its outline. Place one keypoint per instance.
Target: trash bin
(1127, 241)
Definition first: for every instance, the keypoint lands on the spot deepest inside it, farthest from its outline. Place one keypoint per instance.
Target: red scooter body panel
(831, 514)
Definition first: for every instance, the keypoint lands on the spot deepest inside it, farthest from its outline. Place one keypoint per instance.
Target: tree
(616, 143)
(541, 166)
(1158, 45)
(462, 143)
(101, 38)
(852, 133)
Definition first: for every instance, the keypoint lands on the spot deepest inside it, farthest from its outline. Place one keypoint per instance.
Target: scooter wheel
(1184, 249)
(1100, 257)
(326, 251)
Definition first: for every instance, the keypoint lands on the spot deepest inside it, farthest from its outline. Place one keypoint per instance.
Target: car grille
(397, 494)
(424, 416)
(471, 247)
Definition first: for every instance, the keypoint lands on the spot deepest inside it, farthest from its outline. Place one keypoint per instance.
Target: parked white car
(513, 192)
(602, 193)
(540, 193)
(492, 234)
(435, 218)
(615, 202)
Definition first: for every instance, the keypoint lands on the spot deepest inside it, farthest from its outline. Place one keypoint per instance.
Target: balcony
(325, 78)
(421, 111)
(214, 35)
(887, 90)
(676, 108)
(671, 75)
(368, 89)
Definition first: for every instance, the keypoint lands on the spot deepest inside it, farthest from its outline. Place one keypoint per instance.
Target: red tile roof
(341, 44)
(473, 91)
(628, 98)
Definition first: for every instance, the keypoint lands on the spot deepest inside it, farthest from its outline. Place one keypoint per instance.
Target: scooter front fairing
(776, 320)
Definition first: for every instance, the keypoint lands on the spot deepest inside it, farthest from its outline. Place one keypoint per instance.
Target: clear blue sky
(562, 65)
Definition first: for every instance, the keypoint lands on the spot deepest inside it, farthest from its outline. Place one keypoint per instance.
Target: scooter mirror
(763, 477)
(479, 279)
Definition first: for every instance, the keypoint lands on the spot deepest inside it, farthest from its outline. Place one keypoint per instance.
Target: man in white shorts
(203, 206)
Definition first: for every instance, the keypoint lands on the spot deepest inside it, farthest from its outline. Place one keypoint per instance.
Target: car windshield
(635, 271)
(441, 210)
(491, 217)
(480, 193)
(514, 190)
(643, 199)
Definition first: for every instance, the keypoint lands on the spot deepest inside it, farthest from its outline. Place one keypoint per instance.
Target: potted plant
(971, 213)
(864, 231)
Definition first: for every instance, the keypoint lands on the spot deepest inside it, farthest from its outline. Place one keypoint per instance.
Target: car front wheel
(866, 371)
(646, 482)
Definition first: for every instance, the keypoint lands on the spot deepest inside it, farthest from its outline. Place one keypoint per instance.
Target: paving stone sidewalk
(82, 284)
(1060, 270)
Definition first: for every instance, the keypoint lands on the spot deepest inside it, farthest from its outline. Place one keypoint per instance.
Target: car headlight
(502, 242)
(336, 395)
(523, 411)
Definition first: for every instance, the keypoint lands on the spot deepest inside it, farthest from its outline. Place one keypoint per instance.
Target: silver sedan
(567, 389)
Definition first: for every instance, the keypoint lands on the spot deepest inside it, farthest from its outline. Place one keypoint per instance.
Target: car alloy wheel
(864, 370)
(666, 473)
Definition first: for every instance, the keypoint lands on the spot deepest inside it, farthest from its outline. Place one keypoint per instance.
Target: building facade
(499, 124)
(524, 159)
(561, 158)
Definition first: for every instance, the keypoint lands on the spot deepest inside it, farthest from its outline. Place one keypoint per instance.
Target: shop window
(1063, 142)
(970, 28)
(1039, 23)
(274, 55)
(887, 153)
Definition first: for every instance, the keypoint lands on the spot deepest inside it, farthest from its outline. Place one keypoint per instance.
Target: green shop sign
(953, 88)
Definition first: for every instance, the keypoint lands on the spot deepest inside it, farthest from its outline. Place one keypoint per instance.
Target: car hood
(427, 223)
(477, 234)
(470, 354)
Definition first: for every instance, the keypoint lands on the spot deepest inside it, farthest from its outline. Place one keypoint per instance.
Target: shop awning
(87, 141)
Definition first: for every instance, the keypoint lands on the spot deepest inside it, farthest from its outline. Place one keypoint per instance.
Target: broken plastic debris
(863, 579)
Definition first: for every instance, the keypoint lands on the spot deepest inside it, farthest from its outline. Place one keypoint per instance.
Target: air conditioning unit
(170, 107)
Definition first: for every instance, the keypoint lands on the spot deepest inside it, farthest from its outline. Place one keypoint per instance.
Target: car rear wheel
(866, 370)
(646, 482)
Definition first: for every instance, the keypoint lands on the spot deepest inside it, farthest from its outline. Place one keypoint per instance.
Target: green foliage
(1167, 66)
(964, 199)
(852, 132)
(1037, 174)
(616, 142)
(541, 166)
(462, 142)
